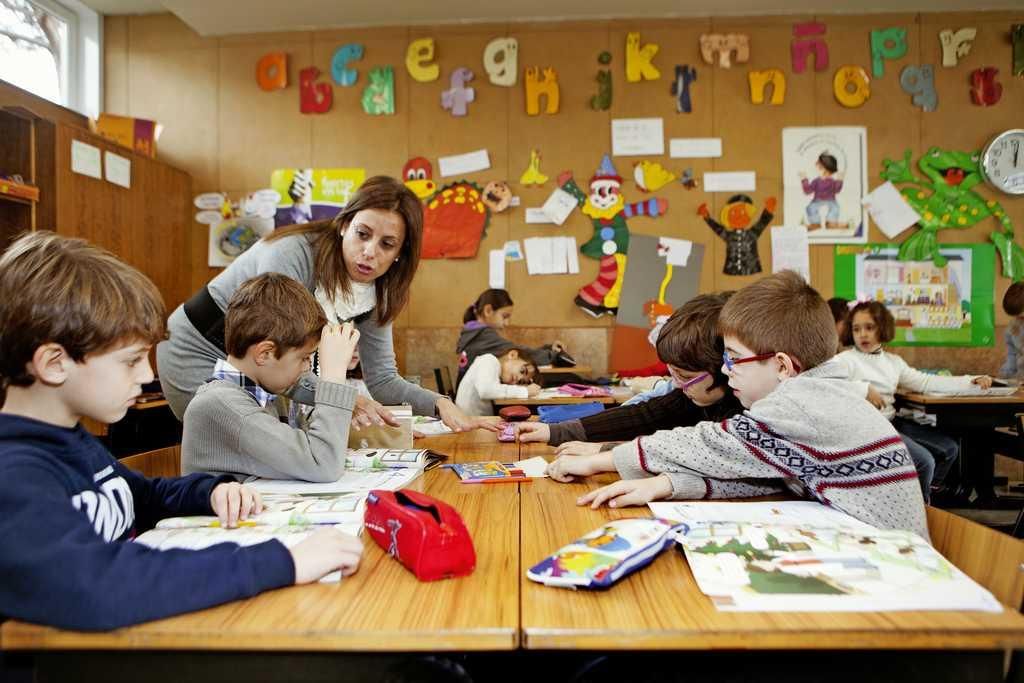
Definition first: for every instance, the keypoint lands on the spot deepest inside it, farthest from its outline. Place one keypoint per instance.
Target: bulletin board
(231, 135)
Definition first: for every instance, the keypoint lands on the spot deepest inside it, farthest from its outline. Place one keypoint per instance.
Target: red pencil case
(423, 533)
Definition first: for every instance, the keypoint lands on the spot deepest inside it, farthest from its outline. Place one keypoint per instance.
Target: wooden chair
(163, 462)
(993, 559)
(443, 378)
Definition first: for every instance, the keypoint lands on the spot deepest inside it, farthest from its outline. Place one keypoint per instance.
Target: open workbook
(799, 556)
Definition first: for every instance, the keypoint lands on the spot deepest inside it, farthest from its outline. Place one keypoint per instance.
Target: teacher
(359, 265)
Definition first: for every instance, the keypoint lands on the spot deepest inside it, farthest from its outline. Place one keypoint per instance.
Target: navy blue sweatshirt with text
(68, 510)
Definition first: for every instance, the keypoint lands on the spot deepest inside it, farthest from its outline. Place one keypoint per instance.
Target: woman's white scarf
(343, 307)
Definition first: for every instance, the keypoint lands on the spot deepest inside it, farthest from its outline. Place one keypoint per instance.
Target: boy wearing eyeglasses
(805, 425)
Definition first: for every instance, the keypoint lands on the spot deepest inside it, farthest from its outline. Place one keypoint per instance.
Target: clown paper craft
(739, 235)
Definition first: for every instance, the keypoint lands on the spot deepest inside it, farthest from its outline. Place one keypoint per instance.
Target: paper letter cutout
(685, 75)
(851, 75)
(342, 75)
(888, 43)
(272, 71)
(919, 81)
(759, 80)
(502, 71)
(458, 96)
(602, 101)
(379, 94)
(725, 46)
(985, 91)
(800, 49)
(955, 45)
(421, 50)
(638, 60)
(314, 98)
(1017, 37)
(535, 87)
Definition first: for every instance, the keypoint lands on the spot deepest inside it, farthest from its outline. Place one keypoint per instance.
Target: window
(52, 49)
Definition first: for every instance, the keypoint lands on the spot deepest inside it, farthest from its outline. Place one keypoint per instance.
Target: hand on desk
(577, 448)
(983, 381)
(533, 432)
(324, 551)
(566, 468)
(532, 390)
(233, 502)
(875, 398)
(628, 492)
(458, 421)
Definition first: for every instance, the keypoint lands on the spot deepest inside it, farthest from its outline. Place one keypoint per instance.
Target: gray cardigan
(227, 432)
(186, 359)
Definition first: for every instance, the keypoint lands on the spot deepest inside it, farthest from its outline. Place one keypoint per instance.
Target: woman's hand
(368, 412)
(458, 421)
(985, 382)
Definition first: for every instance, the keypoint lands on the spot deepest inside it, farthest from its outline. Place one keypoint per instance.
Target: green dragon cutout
(946, 200)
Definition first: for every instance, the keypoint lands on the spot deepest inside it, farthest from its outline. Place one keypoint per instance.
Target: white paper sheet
(551, 255)
(460, 164)
(730, 181)
(533, 467)
(497, 278)
(790, 250)
(119, 169)
(636, 137)
(536, 215)
(793, 512)
(676, 251)
(574, 255)
(351, 480)
(559, 205)
(85, 159)
(890, 211)
(695, 148)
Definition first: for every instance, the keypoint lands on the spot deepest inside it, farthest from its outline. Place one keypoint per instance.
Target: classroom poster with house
(947, 305)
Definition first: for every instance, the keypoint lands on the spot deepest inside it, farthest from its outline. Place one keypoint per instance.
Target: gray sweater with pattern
(814, 433)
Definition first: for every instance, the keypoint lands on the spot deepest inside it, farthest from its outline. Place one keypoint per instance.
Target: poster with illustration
(950, 305)
(662, 274)
(824, 173)
(311, 194)
(230, 237)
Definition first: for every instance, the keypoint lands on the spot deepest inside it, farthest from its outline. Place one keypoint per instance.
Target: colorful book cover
(485, 472)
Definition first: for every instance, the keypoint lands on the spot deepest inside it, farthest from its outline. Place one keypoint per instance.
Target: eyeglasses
(690, 382)
(730, 362)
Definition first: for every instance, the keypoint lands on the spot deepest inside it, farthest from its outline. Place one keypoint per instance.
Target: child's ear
(487, 311)
(264, 351)
(787, 368)
(512, 354)
(50, 364)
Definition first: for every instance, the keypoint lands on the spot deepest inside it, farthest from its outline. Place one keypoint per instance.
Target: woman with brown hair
(359, 265)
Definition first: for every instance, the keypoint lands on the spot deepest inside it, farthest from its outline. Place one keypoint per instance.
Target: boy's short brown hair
(271, 307)
(782, 314)
(689, 340)
(1013, 300)
(66, 291)
(884, 321)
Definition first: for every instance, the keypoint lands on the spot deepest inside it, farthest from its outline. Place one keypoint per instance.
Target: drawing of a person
(824, 189)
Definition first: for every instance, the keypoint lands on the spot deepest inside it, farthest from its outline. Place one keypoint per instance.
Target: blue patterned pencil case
(606, 554)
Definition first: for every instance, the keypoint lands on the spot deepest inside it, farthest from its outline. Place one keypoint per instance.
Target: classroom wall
(230, 135)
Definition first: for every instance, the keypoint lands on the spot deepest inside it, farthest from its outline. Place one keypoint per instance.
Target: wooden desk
(973, 419)
(618, 396)
(380, 608)
(662, 608)
(581, 370)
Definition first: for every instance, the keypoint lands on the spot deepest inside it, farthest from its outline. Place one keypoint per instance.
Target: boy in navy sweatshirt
(76, 328)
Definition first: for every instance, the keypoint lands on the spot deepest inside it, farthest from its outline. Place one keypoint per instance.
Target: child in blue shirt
(74, 343)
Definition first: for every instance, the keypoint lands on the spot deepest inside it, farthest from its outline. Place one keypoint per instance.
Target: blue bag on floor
(568, 411)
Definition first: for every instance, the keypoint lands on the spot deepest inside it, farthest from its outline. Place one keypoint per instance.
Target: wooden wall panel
(256, 132)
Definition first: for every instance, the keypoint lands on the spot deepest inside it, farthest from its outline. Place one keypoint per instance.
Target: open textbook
(387, 458)
(289, 518)
(805, 557)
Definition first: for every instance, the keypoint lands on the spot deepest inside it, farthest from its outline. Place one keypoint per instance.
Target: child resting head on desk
(235, 425)
(882, 373)
(481, 333)
(805, 427)
(689, 343)
(76, 329)
(491, 377)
